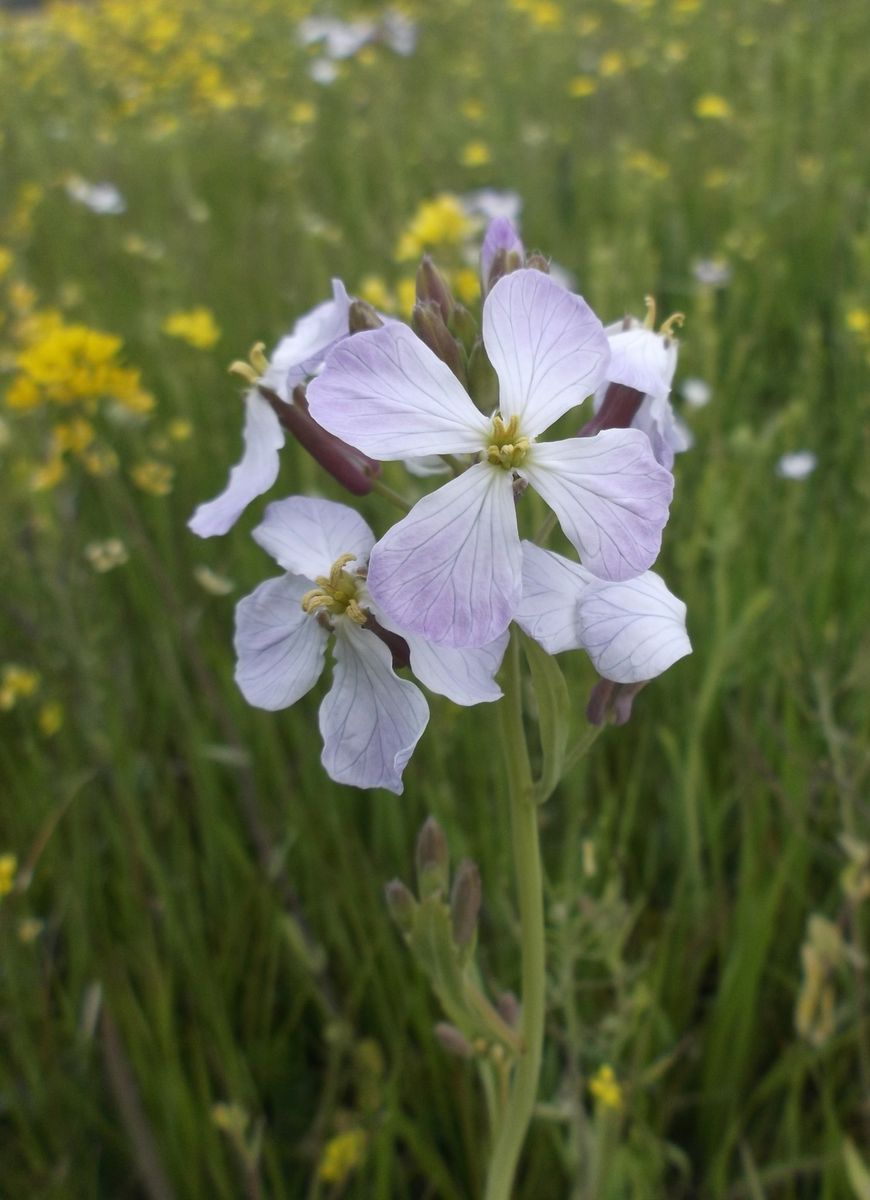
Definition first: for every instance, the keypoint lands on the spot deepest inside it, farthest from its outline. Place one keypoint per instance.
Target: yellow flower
(406, 292)
(441, 221)
(180, 429)
(717, 177)
(49, 475)
(196, 326)
(545, 14)
(342, 1154)
(23, 394)
(612, 63)
(605, 1088)
(100, 461)
(153, 477)
(645, 164)
(303, 112)
(582, 85)
(711, 107)
(75, 435)
(466, 285)
(858, 321)
(8, 868)
(475, 154)
(16, 683)
(472, 110)
(374, 291)
(50, 718)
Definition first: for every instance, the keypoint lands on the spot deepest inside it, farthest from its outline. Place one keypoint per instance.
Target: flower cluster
(439, 589)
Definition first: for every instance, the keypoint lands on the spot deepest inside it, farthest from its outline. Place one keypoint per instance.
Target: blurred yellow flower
(475, 154)
(8, 868)
(717, 177)
(612, 63)
(180, 429)
(604, 1086)
(50, 718)
(303, 112)
(342, 1155)
(406, 292)
(441, 221)
(545, 14)
(646, 164)
(29, 929)
(153, 477)
(466, 285)
(48, 475)
(472, 110)
(75, 435)
(711, 107)
(582, 85)
(196, 326)
(16, 683)
(374, 291)
(858, 321)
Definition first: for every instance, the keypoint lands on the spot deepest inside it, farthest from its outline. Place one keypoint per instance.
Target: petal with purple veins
(547, 346)
(370, 719)
(635, 630)
(552, 589)
(610, 496)
(279, 648)
(451, 569)
(386, 393)
(306, 535)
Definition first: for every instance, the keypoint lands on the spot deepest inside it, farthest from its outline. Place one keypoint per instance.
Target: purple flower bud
(432, 287)
(502, 252)
(349, 466)
(428, 324)
(620, 407)
(433, 859)
(465, 900)
(401, 904)
(361, 316)
(453, 1041)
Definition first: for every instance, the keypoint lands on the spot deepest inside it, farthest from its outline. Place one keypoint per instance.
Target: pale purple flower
(296, 357)
(370, 719)
(798, 465)
(493, 205)
(646, 361)
(451, 570)
(632, 630)
(501, 242)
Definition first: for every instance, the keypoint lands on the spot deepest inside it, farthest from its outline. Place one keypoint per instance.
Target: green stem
(511, 1135)
(388, 493)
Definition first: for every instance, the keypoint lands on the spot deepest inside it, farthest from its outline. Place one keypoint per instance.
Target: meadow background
(201, 993)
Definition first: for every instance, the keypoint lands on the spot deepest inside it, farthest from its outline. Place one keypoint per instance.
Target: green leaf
(554, 715)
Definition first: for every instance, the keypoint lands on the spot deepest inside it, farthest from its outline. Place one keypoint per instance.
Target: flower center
(506, 448)
(336, 594)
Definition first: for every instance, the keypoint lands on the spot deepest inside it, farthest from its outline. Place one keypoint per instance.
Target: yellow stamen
(650, 319)
(255, 368)
(506, 449)
(336, 594)
(667, 328)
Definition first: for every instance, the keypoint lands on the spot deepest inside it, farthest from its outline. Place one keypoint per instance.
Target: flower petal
(501, 237)
(610, 495)
(465, 676)
(306, 535)
(547, 346)
(303, 351)
(249, 478)
(370, 719)
(279, 647)
(635, 630)
(451, 569)
(386, 393)
(642, 360)
(552, 589)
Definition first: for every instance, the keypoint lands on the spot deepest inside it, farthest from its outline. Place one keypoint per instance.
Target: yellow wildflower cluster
(437, 223)
(16, 683)
(342, 1155)
(8, 870)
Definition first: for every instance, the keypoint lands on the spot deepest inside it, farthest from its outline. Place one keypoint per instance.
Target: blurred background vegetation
(200, 990)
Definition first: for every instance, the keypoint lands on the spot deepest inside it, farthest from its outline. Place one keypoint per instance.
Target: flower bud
(509, 1009)
(349, 466)
(537, 262)
(428, 324)
(463, 327)
(617, 411)
(465, 900)
(401, 904)
(453, 1041)
(432, 287)
(433, 859)
(362, 316)
(482, 379)
(501, 253)
(613, 700)
(394, 642)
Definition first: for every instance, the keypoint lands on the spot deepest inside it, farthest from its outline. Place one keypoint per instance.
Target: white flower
(370, 719)
(297, 356)
(104, 199)
(632, 631)
(798, 465)
(696, 392)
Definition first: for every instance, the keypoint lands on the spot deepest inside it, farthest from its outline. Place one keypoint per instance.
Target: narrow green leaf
(554, 715)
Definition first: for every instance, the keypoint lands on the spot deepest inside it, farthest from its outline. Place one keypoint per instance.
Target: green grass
(206, 892)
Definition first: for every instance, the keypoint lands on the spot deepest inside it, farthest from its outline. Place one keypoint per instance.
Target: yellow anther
(650, 319)
(667, 328)
(505, 449)
(255, 368)
(336, 593)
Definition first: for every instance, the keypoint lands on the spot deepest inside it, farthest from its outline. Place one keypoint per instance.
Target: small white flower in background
(340, 39)
(696, 392)
(399, 32)
(101, 198)
(105, 556)
(295, 358)
(493, 205)
(798, 465)
(323, 71)
(370, 719)
(632, 631)
(712, 272)
(213, 583)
